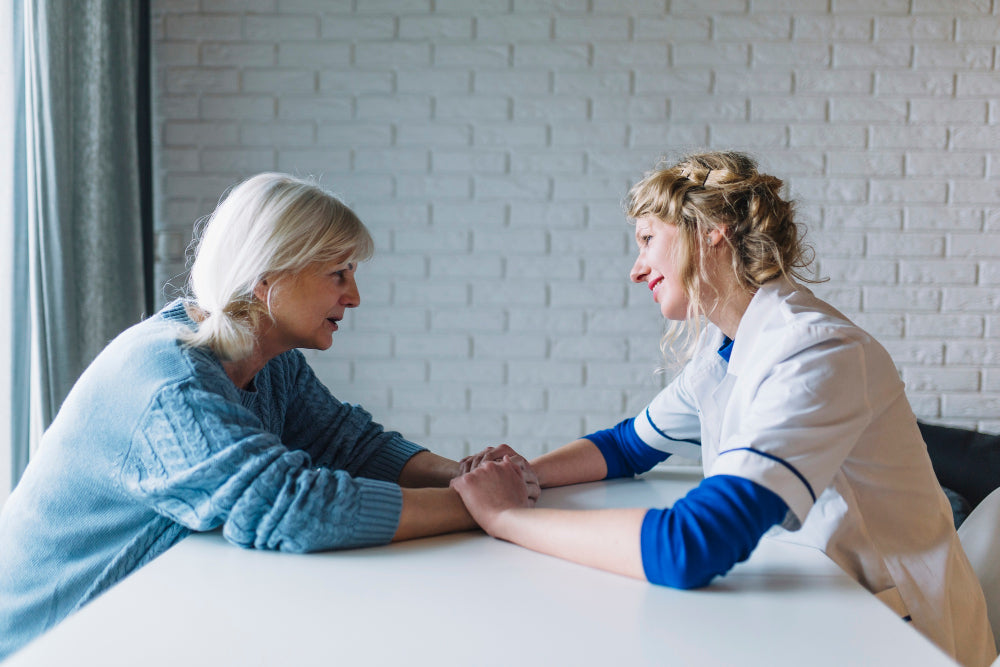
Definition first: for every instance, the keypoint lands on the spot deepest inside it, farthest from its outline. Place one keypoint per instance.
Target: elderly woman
(207, 415)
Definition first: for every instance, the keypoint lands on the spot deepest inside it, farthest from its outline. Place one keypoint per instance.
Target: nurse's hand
(492, 488)
(498, 453)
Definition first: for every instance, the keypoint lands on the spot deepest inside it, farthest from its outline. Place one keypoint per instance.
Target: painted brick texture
(488, 145)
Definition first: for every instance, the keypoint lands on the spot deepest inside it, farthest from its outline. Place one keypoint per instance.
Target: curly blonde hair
(705, 192)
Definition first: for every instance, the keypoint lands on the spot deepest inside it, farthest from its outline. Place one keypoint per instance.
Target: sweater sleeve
(339, 435)
(206, 462)
(708, 531)
(624, 451)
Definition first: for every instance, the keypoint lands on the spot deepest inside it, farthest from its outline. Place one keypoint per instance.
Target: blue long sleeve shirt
(716, 525)
(155, 442)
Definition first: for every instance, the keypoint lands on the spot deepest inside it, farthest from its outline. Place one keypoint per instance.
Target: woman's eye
(341, 274)
(646, 239)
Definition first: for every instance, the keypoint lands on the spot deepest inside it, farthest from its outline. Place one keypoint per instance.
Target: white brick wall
(488, 144)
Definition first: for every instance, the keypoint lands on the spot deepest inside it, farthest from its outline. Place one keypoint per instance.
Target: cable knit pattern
(155, 442)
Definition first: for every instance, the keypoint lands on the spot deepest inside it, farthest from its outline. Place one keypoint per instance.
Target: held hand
(491, 488)
(498, 453)
(489, 454)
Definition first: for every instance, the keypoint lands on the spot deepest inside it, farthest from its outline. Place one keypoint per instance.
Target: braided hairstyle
(723, 191)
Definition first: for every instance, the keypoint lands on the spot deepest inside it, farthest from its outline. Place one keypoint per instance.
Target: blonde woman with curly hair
(207, 416)
(798, 416)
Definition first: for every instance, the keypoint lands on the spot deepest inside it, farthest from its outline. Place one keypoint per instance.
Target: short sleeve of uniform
(671, 423)
(806, 404)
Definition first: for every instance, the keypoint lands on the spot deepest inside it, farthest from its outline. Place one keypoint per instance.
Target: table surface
(467, 599)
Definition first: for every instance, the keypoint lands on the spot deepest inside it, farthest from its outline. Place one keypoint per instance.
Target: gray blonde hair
(704, 192)
(269, 226)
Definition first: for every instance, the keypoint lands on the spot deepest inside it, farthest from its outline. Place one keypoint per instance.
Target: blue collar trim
(727, 349)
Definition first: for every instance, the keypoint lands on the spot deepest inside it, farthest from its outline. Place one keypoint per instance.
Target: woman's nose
(351, 297)
(639, 270)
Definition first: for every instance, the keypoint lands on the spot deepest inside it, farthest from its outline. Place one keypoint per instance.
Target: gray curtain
(82, 227)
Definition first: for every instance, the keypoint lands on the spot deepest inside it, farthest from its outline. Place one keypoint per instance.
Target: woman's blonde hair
(705, 192)
(268, 226)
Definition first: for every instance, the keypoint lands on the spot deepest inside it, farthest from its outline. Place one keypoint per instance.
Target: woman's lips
(653, 284)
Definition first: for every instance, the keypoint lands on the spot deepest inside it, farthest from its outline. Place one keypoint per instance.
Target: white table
(467, 599)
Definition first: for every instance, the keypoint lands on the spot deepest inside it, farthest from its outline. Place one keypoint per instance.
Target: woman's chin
(673, 314)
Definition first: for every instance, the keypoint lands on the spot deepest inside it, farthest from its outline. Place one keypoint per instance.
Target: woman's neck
(728, 311)
(725, 299)
(243, 372)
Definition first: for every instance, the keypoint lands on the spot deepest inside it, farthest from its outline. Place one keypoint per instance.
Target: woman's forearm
(429, 512)
(427, 469)
(579, 461)
(495, 494)
(605, 539)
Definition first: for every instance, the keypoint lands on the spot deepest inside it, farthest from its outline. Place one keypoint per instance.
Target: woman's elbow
(684, 583)
(681, 575)
(257, 538)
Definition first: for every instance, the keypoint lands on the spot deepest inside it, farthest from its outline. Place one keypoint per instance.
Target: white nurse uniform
(812, 408)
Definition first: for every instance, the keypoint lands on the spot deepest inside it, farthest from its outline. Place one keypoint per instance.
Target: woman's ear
(716, 236)
(261, 289)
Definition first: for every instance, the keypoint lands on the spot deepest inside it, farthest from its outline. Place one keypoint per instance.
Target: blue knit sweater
(155, 442)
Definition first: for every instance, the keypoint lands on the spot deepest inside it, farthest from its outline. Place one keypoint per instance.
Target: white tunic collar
(757, 322)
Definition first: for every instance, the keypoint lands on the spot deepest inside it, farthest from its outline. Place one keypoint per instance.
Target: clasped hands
(494, 480)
